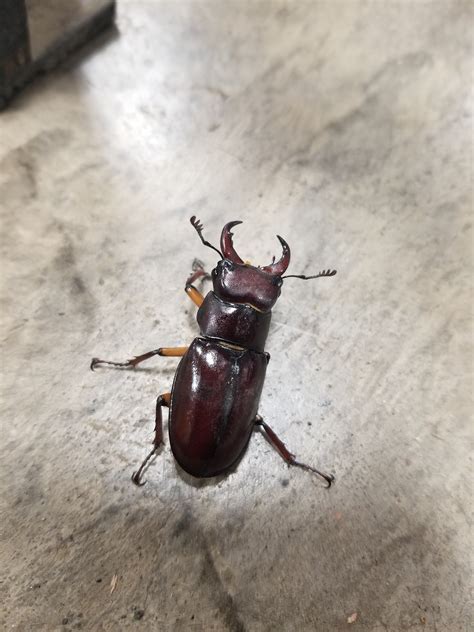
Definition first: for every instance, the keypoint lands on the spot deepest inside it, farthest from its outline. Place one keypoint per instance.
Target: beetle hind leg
(286, 455)
(163, 400)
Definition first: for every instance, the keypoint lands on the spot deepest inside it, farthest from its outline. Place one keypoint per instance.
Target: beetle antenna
(199, 228)
(324, 273)
(136, 476)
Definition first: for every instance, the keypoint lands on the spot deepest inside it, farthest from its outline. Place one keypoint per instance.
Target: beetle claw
(136, 476)
(136, 479)
(329, 478)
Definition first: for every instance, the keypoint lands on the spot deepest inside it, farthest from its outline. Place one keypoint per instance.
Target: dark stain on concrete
(78, 285)
(188, 530)
(224, 600)
(183, 525)
(21, 165)
(66, 267)
(331, 146)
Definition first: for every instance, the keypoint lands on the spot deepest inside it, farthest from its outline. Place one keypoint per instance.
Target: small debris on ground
(113, 583)
(73, 619)
(352, 618)
(138, 613)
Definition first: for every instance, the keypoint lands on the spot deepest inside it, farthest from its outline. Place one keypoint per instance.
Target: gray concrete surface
(343, 126)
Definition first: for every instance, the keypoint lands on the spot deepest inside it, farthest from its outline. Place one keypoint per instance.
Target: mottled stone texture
(344, 127)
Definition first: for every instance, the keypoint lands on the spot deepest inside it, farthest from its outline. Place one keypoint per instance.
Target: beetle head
(237, 281)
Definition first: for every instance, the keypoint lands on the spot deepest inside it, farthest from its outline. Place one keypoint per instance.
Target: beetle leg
(176, 352)
(198, 271)
(197, 298)
(283, 451)
(192, 291)
(163, 400)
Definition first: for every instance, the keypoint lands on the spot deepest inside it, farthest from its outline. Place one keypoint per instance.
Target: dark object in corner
(36, 36)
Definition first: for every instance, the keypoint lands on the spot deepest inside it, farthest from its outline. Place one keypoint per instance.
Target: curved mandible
(227, 245)
(281, 265)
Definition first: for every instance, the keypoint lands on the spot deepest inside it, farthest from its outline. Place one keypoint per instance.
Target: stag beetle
(213, 404)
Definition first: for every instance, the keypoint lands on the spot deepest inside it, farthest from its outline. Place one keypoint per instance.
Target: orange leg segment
(191, 290)
(194, 294)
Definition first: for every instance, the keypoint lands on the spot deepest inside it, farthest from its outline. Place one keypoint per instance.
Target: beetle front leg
(163, 400)
(283, 451)
(175, 352)
(198, 272)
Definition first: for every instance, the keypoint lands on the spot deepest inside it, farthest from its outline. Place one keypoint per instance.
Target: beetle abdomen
(214, 401)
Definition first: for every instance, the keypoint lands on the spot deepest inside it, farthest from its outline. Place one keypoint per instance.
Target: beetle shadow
(198, 483)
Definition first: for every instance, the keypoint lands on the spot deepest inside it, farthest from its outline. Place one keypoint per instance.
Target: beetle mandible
(213, 403)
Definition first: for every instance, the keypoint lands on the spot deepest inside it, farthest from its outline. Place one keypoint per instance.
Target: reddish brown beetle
(216, 390)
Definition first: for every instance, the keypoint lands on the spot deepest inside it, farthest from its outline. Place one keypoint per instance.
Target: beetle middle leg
(177, 352)
(286, 455)
(163, 400)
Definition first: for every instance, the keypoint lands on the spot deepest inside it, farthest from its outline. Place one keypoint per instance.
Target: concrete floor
(343, 126)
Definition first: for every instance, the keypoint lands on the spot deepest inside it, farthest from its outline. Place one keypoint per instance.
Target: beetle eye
(228, 265)
(214, 272)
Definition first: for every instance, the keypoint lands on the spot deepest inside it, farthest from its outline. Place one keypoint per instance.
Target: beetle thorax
(242, 283)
